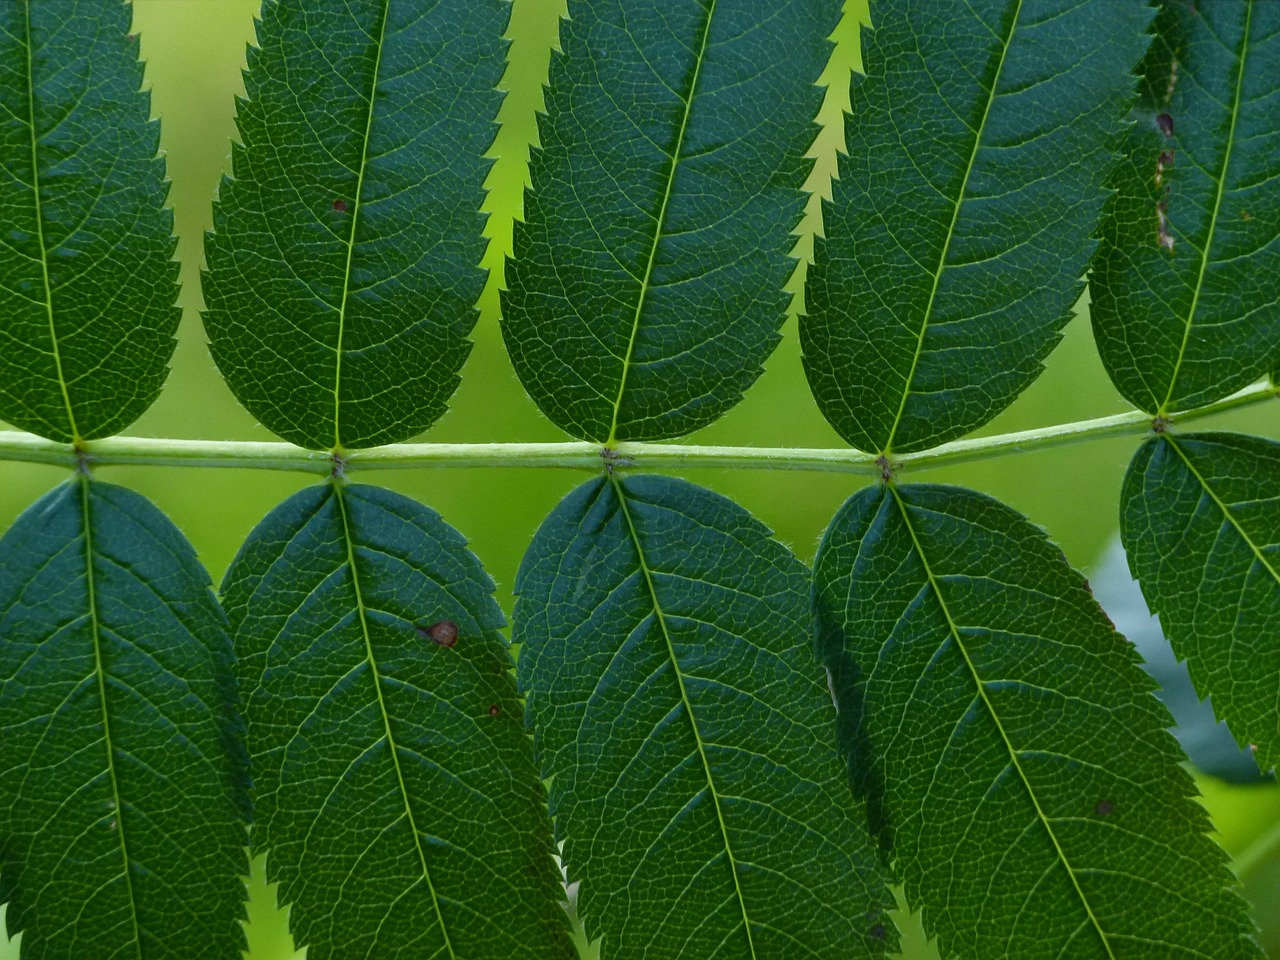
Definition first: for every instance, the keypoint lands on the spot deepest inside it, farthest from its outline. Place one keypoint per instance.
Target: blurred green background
(195, 50)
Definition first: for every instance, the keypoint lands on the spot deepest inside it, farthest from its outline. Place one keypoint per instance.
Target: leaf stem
(581, 455)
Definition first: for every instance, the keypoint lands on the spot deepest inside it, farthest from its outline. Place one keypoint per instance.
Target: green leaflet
(395, 792)
(978, 142)
(1186, 301)
(87, 283)
(344, 265)
(1200, 518)
(646, 289)
(688, 733)
(123, 781)
(1033, 799)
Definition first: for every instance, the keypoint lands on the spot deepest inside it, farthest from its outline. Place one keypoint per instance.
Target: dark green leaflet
(646, 289)
(689, 734)
(87, 283)
(1188, 321)
(1200, 517)
(978, 143)
(395, 792)
(1022, 769)
(344, 265)
(123, 781)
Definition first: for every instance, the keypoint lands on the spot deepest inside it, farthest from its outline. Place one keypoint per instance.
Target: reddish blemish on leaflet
(443, 634)
(340, 205)
(1165, 122)
(1164, 160)
(1104, 808)
(494, 709)
(1164, 237)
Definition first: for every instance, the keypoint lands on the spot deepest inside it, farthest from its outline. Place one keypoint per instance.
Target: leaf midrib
(356, 206)
(688, 708)
(1204, 485)
(661, 221)
(39, 205)
(392, 747)
(951, 229)
(99, 670)
(995, 718)
(1217, 205)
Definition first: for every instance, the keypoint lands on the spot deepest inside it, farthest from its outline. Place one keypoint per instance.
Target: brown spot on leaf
(1164, 160)
(1165, 122)
(1104, 808)
(1246, 215)
(494, 709)
(340, 205)
(444, 633)
(1164, 237)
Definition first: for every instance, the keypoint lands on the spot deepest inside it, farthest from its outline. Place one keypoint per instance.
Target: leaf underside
(343, 270)
(1018, 762)
(646, 287)
(395, 791)
(123, 784)
(979, 142)
(1200, 519)
(1183, 323)
(688, 733)
(87, 281)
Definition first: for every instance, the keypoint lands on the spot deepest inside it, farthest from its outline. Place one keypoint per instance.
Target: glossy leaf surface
(1186, 284)
(1200, 518)
(395, 792)
(688, 732)
(979, 141)
(87, 283)
(344, 265)
(1019, 766)
(646, 289)
(123, 781)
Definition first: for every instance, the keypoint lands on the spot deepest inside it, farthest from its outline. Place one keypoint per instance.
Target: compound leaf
(1186, 300)
(1021, 768)
(343, 270)
(87, 279)
(1200, 519)
(123, 781)
(688, 733)
(979, 142)
(646, 289)
(395, 791)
